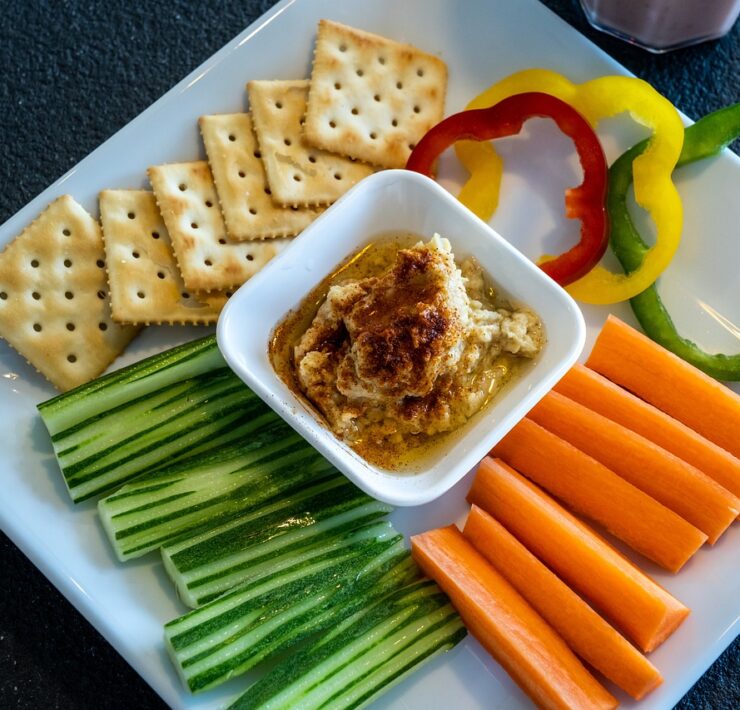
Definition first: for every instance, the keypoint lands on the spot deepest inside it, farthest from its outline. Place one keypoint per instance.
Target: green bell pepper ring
(705, 138)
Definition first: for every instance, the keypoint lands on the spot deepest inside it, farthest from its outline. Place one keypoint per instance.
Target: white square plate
(398, 201)
(482, 41)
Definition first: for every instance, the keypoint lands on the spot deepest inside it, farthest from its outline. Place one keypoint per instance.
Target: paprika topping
(585, 202)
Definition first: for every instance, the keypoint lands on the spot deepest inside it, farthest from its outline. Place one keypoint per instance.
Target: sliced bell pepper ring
(706, 137)
(654, 190)
(585, 202)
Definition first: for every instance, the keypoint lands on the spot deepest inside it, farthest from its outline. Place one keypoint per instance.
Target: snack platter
(486, 41)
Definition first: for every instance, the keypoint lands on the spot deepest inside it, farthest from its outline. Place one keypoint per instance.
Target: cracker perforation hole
(101, 295)
(182, 186)
(257, 154)
(419, 72)
(412, 146)
(208, 262)
(99, 263)
(268, 191)
(287, 141)
(394, 122)
(37, 327)
(376, 97)
(71, 358)
(337, 86)
(311, 158)
(278, 104)
(131, 215)
(355, 111)
(342, 47)
(297, 178)
(193, 225)
(337, 176)
(209, 203)
(232, 137)
(160, 274)
(417, 109)
(399, 85)
(103, 326)
(3, 295)
(155, 235)
(185, 294)
(135, 254)
(66, 233)
(36, 295)
(242, 174)
(141, 294)
(359, 72)
(381, 60)
(68, 262)
(252, 210)
(373, 135)
(69, 295)
(332, 124)
(222, 241)
(70, 327)
(250, 257)
(35, 263)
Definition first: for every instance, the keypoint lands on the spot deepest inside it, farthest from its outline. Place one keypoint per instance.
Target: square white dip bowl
(398, 201)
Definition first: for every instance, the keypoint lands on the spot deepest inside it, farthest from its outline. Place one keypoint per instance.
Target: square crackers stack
(72, 297)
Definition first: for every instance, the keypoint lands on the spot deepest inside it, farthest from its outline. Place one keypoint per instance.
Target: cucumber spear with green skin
(705, 138)
(173, 406)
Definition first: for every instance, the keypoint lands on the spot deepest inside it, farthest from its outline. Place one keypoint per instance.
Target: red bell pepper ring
(585, 202)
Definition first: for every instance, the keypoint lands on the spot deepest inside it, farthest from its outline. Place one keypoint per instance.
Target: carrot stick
(671, 481)
(532, 653)
(596, 392)
(644, 611)
(592, 638)
(592, 489)
(634, 361)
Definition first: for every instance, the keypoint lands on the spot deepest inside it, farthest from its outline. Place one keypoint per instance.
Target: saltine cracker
(208, 260)
(145, 283)
(54, 297)
(372, 98)
(297, 173)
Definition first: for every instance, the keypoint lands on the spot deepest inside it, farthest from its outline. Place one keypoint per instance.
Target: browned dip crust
(409, 351)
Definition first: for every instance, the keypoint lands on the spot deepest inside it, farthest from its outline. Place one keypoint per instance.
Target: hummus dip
(407, 350)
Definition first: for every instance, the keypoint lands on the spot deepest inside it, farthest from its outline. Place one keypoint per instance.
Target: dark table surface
(72, 74)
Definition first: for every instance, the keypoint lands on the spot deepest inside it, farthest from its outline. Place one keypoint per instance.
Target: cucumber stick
(364, 656)
(137, 380)
(300, 526)
(253, 622)
(171, 406)
(196, 495)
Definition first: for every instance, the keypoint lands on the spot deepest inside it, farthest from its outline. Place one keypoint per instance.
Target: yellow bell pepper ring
(654, 190)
